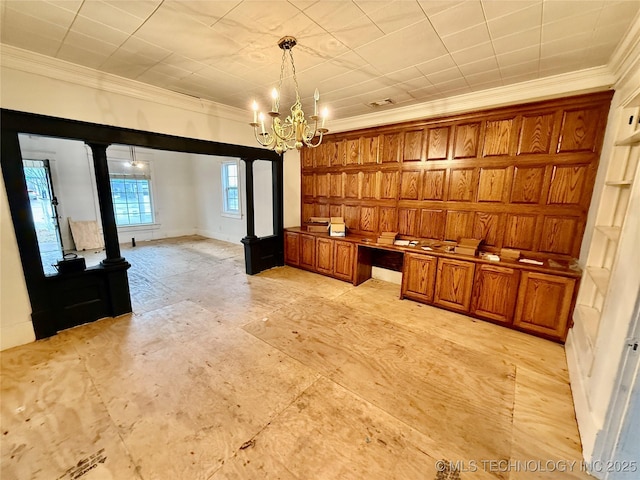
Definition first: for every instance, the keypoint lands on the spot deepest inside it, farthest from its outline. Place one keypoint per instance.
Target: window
(131, 200)
(230, 189)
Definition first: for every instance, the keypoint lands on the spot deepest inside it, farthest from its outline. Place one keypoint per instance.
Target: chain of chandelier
(294, 131)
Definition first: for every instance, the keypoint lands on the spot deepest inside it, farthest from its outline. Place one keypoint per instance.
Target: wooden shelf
(618, 183)
(600, 277)
(589, 318)
(630, 140)
(612, 233)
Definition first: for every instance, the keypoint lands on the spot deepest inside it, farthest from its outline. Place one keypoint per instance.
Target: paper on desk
(402, 243)
(532, 262)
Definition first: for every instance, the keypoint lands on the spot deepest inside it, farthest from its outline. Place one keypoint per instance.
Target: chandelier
(294, 131)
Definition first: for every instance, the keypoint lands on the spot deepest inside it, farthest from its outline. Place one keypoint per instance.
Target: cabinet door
(324, 255)
(292, 248)
(308, 252)
(453, 284)
(418, 277)
(494, 293)
(544, 304)
(343, 260)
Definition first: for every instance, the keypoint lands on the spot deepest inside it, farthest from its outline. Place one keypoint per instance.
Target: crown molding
(625, 61)
(574, 83)
(37, 64)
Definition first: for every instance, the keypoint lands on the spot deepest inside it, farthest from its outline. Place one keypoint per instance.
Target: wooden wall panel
(352, 151)
(461, 184)
(486, 226)
(408, 221)
(578, 131)
(335, 211)
(389, 185)
(388, 222)
(369, 185)
(413, 145)
(391, 148)
(335, 184)
(558, 234)
(351, 217)
(369, 150)
(351, 185)
(519, 231)
(368, 219)
(516, 177)
(492, 184)
(433, 184)
(567, 184)
(438, 143)
(322, 185)
(308, 211)
(497, 137)
(432, 224)
(410, 185)
(307, 185)
(458, 225)
(322, 210)
(527, 184)
(535, 134)
(466, 140)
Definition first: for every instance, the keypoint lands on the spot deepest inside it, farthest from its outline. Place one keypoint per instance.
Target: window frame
(224, 173)
(137, 178)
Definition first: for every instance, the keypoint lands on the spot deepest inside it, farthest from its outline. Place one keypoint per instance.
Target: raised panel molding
(438, 143)
(466, 140)
(535, 134)
(496, 175)
(461, 184)
(567, 184)
(527, 184)
(413, 145)
(497, 137)
(578, 131)
(492, 184)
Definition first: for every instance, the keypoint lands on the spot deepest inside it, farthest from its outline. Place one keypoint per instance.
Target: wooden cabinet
(454, 279)
(324, 255)
(495, 290)
(343, 255)
(544, 304)
(292, 248)
(418, 277)
(307, 252)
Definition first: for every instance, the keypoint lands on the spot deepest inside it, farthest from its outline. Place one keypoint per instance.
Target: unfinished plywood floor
(284, 375)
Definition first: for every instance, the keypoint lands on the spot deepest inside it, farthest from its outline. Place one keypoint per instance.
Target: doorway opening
(44, 211)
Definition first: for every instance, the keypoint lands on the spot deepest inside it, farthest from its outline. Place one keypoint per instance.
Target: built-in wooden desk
(537, 299)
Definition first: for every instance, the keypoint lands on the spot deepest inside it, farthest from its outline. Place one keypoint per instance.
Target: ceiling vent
(381, 103)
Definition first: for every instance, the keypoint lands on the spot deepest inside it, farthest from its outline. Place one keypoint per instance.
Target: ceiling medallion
(294, 131)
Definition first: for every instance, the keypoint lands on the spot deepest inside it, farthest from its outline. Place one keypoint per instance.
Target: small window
(131, 200)
(230, 189)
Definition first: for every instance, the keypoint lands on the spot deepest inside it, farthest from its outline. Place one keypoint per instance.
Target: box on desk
(387, 238)
(318, 224)
(468, 246)
(337, 227)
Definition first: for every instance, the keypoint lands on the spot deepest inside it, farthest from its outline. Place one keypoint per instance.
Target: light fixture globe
(294, 131)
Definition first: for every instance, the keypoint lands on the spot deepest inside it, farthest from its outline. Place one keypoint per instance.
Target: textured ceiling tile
(518, 41)
(559, 9)
(467, 38)
(458, 17)
(432, 7)
(204, 11)
(71, 5)
(95, 29)
(436, 65)
(614, 12)
(404, 48)
(81, 56)
(584, 22)
(479, 52)
(479, 66)
(43, 11)
(30, 41)
(524, 55)
(86, 42)
(482, 78)
(109, 14)
(499, 8)
(148, 50)
(405, 75)
(334, 14)
(444, 75)
(139, 8)
(17, 27)
(392, 16)
(515, 22)
(566, 44)
(520, 68)
(357, 33)
(521, 77)
(129, 67)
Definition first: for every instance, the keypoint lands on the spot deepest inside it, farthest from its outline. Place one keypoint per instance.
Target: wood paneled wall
(519, 177)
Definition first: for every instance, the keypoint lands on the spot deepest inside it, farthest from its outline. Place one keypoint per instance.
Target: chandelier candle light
(294, 131)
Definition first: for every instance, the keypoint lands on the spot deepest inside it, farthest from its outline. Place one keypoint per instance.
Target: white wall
(263, 189)
(292, 190)
(15, 309)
